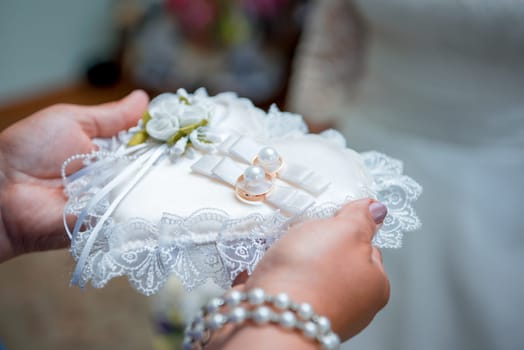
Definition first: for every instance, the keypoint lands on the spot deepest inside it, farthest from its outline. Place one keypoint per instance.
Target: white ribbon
(140, 167)
(285, 198)
(246, 150)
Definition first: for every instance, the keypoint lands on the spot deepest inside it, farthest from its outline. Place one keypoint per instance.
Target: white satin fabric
(441, 87)
(148, 214)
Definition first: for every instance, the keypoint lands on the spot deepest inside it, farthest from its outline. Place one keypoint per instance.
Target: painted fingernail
(378, 212)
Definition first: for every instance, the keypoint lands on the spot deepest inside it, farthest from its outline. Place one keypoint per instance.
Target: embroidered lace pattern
(209, 244)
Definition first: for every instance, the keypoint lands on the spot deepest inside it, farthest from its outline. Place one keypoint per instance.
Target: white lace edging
(209, 244)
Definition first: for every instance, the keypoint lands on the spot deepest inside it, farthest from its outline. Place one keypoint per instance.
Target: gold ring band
(253, 197)
(273, 173)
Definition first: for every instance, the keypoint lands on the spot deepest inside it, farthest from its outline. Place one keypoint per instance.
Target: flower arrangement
(179, 120)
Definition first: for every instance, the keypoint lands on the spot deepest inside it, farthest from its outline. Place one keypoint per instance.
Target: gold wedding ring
(243, 192)
(270, 160)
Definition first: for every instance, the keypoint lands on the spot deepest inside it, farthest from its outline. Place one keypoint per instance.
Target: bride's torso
(451, 69)
(443, 89)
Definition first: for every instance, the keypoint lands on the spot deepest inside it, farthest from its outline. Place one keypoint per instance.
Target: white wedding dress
(438, 84)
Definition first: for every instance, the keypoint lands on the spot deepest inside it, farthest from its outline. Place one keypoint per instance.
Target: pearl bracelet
(238, 307)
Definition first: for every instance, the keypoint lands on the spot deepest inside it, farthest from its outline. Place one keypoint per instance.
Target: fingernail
(378, 212)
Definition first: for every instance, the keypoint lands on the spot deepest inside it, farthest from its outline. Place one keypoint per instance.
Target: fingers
(241, 278)
(376, 255)
(58, 241)
(362, 217)
(108, 119)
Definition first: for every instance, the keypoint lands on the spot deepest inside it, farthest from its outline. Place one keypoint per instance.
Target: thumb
(107, 119)
(365, 215)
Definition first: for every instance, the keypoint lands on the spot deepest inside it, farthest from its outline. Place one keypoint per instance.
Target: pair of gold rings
(269, 159)
(257, 181)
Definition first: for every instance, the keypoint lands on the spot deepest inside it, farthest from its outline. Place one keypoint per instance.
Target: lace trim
(209, 244)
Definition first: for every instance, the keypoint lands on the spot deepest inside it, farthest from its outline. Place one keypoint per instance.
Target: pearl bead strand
(255, 305)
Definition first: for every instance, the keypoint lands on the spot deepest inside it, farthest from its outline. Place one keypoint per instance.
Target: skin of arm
(330, 264)
(31, 154)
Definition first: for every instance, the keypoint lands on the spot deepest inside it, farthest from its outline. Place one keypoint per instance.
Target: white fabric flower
(192, 115)
(169, 112)
(162, 128)
(166, 105)
(180, 147)
(201, 145)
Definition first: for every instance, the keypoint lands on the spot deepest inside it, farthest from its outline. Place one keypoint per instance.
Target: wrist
(260, 320)
(294, 287)
(255, 337)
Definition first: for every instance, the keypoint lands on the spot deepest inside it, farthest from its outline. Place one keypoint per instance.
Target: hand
(31, 154)
(330, 264)
(317, 127)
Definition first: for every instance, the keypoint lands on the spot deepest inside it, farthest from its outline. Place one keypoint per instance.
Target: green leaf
(186, 130)
(190, 128)
(184, 100)
(173, 139)
(204, 140)
(146, 117)
(138, 138)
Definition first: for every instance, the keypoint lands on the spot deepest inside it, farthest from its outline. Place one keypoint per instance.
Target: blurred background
(439, 85)
(436, 83)
(89, 52)
(85, 52)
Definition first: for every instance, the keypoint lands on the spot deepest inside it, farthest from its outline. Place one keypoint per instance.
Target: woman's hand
(330, 264)
(31, 154)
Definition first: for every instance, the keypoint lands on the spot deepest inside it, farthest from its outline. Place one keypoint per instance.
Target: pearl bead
(215, 321)
(291, 316)
(261, 315)
(214, 304)
(256, 296)
(198, 327)
(288, 320)
(310, 330)
(233, 298)
(238, 315)
(188, 345)
(198, 319)
(282, 301)
(268, 155)
(254, 174)
(305, 311)
(330, 342)
(196, 334)
(323, 324)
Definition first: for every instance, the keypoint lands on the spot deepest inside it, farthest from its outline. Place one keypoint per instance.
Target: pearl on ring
(269, 159)
(253, 185)
(254, 174)
(268, 155)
